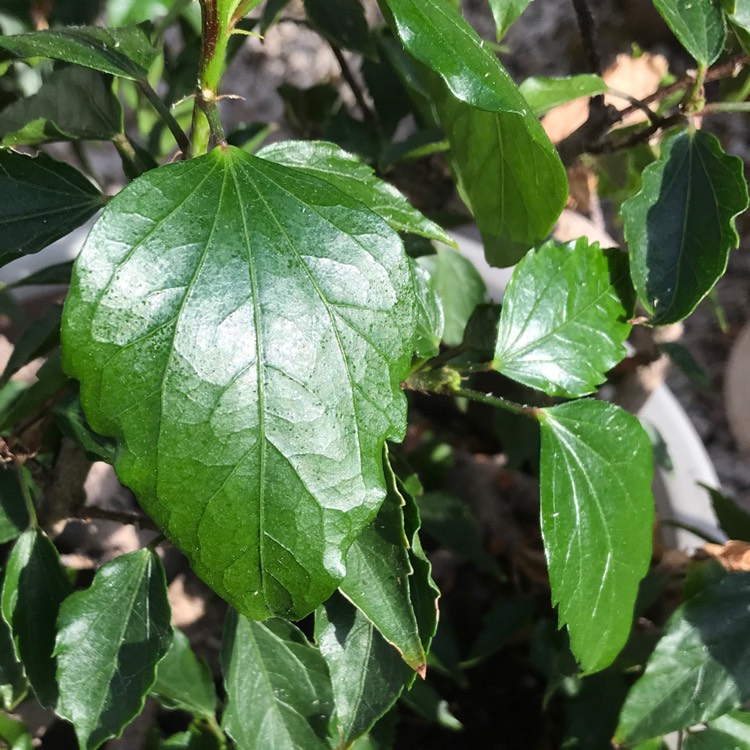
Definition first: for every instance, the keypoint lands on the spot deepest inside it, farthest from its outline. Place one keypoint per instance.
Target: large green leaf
(699, 25)
(355, 178)
(543, 94)
(460, 288)
(13, 683)
(700, 668)
(184, 681)
(597, 517)
(111, 637)
(14, 516)
(731, 731)
(265, 316)
(73, 104)
(34, 588)
(43, 200)
(278, 686)
(505, 12)
(493, 135)
(681, 224)
(367, 673)
(342, 22)
(564, 319)
(125, 52)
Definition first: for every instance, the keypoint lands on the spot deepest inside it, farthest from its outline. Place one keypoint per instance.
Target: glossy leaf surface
(681, 225)
(367, 673)
(355, 178)
(699, 25)
(34, 588)
(184, 681)
(505, 12)
(125, 52)
(73, 104)
(700, 668)
(111, 637)
(597, 516)
(460, 288)
(544, 94)
(40, 187)
(278, 686)
(564, 319)
(270, 319)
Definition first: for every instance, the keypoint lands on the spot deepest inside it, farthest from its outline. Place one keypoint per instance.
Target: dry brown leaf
(734, 555)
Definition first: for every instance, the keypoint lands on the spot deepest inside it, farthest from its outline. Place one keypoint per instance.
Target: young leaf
(355, 178)
(505, 12)
(278, 686)
(460, 288)
(34, 588)
(430, 318)
(111, 637)
(681, 225)
(378, 568)
(13, 683)
(729, 731)
(73, 104)
(700, 668)
(184, 681)
(14, 516)
(543, 94)
(125, 52)
(564, 318)
(597, 517)
(367, 673)
(492, 133)
(244, 335)
(40, 187)
(699, 25)
(343, 23)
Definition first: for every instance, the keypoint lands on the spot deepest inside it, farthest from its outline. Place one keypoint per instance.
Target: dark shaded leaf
(734, 520)
(43, 200)
(729, 731)
(505, 621)
(681, 225)
(425, 701)
(37, 340)
(597, 519)
(13, 683)
(34, 588)
(70, 418)
(14, 516)
(278, 687)
(342, 22)
(111, 637)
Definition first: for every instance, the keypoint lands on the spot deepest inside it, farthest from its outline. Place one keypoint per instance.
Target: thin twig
(95, 513)
(167, 117)
(587, 28)
(353, 84)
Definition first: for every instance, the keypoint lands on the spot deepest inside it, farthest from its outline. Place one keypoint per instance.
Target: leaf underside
(242, 330)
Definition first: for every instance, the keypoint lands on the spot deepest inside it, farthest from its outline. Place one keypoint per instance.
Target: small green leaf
(426, 702)
(430, 317)
(111, 637)
(73, 104)
(125, 52)
(492, 133)
(367, 673)
(278, 686)
(699, 25)
(355, 178)
(37, 340)
(342, 22)
(734, 520)
(683, 359)
(740, 20)
(700, 668)
(34, 588)
(40, 187)
(543, 94)
(124, 12)
(597, 517)
(195, 293)
(184, 681)
(729, 731)
(565, 318)
(13, 683)
(377, 579)
(460, 288)
(199, 736)
(15, 734)
(505, 13)
(681, 225)
(14, 516)
(72, 422)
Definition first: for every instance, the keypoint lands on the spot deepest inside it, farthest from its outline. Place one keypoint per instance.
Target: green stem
(128, 155)
(501, 403)
(28, 500)
(726, 107)
(693, 99)
(167, 117)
